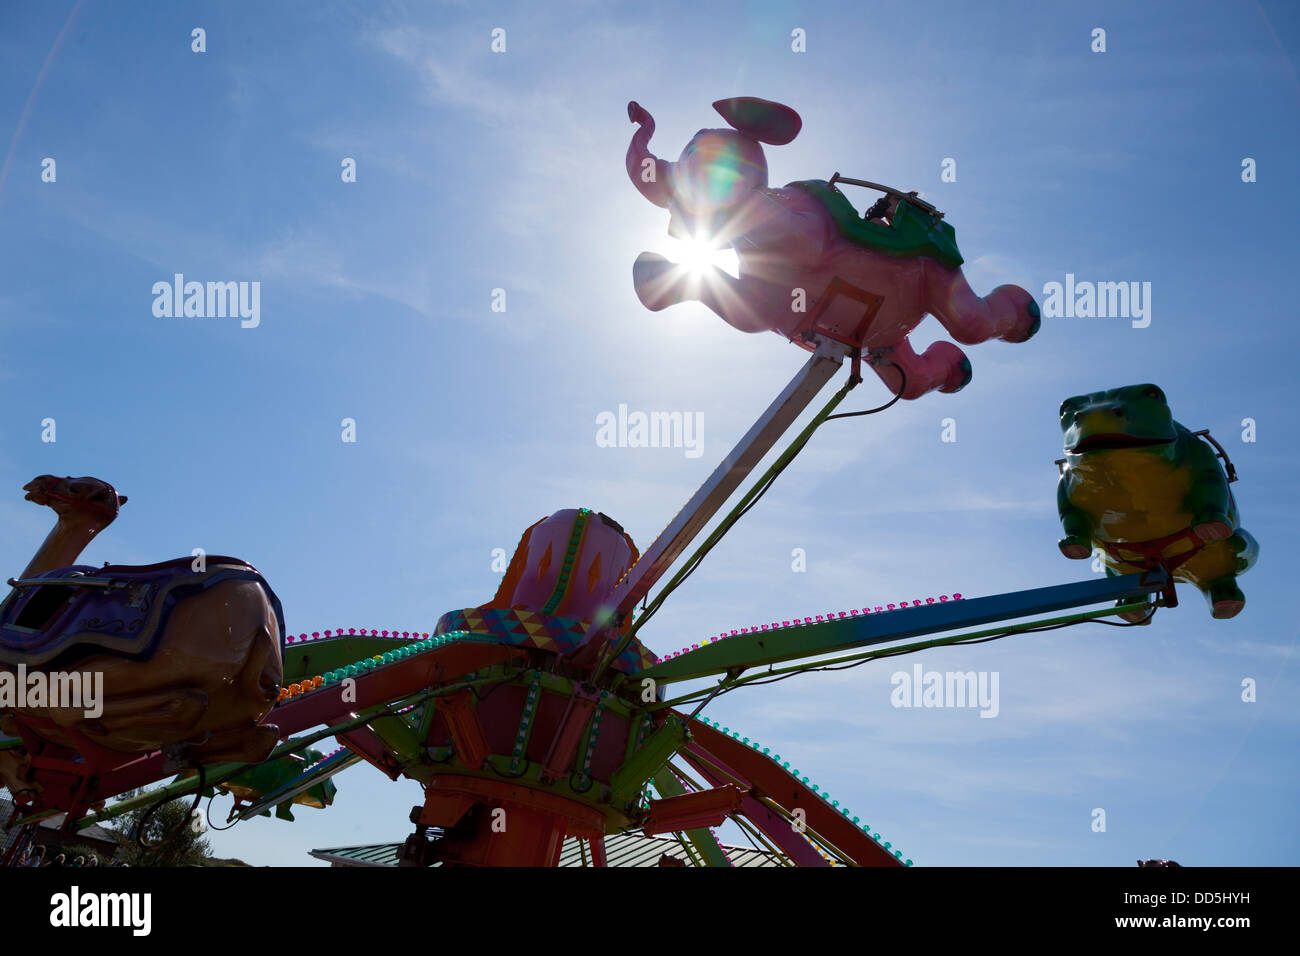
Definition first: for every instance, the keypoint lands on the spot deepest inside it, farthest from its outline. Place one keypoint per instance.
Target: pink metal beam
(772, 825)
(779, 786)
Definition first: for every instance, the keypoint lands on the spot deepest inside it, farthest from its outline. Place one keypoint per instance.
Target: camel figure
(190, 659)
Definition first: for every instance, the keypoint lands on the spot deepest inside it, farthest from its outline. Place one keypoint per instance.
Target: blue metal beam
(773, 646)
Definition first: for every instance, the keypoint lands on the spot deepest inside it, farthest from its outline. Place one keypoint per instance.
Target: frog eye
(1153, 392)
(1068, 406)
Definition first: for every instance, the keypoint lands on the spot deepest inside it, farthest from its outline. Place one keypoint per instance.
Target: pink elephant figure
(808, 261)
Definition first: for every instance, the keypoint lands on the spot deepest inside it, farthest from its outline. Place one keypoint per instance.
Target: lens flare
(696, 254)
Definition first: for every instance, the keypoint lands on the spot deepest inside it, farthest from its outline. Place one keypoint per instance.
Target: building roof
(621, 849)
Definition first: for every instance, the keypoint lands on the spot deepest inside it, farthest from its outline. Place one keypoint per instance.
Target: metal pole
(718, 487)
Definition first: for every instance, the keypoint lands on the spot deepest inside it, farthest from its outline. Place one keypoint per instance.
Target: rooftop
(621, 849)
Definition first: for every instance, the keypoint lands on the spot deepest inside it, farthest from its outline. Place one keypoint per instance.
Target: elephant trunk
(649, 173)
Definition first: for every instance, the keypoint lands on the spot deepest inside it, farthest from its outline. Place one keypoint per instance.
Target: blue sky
(478, 171)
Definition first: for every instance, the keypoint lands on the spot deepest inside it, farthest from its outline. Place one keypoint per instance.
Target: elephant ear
(762, 120)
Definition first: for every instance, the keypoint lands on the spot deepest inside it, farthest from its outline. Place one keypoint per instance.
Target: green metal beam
(220, 773)
(325, 654)
(648, 760)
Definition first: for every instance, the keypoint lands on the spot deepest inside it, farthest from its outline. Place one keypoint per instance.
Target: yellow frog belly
(1136, 496)
(1131, 495)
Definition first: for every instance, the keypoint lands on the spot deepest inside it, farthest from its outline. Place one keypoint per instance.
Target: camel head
(73, 497)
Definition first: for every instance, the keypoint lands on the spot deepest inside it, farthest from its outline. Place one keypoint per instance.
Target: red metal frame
(573, 724)
(466, 731)
(689, 811)
(532, 828)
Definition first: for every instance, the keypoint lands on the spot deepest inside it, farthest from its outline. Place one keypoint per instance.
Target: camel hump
(116, 609)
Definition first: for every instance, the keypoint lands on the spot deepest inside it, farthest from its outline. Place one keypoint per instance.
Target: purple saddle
(122, 609)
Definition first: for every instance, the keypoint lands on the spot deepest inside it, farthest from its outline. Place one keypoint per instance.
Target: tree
(173, 836)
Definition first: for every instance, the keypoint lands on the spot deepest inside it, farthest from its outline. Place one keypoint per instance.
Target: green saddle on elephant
(911, 232)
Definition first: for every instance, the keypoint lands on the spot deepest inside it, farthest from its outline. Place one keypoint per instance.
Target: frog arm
(1209, 492)
(1209, 500)
(1077, 542)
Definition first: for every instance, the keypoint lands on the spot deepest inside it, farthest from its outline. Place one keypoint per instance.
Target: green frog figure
(1149, 493)
(263, 779)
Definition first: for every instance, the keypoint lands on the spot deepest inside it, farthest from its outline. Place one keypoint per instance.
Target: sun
(697, 254)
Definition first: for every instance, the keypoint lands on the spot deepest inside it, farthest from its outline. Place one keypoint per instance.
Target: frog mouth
(1109, 442)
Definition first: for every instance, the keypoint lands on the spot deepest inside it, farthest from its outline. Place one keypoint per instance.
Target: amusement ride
(541, 715)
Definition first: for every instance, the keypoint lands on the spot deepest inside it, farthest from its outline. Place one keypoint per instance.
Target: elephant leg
(741, 303)
(1008, 312)
(1226, 599)
(748, 303)
(659, 283)
(942, 366)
